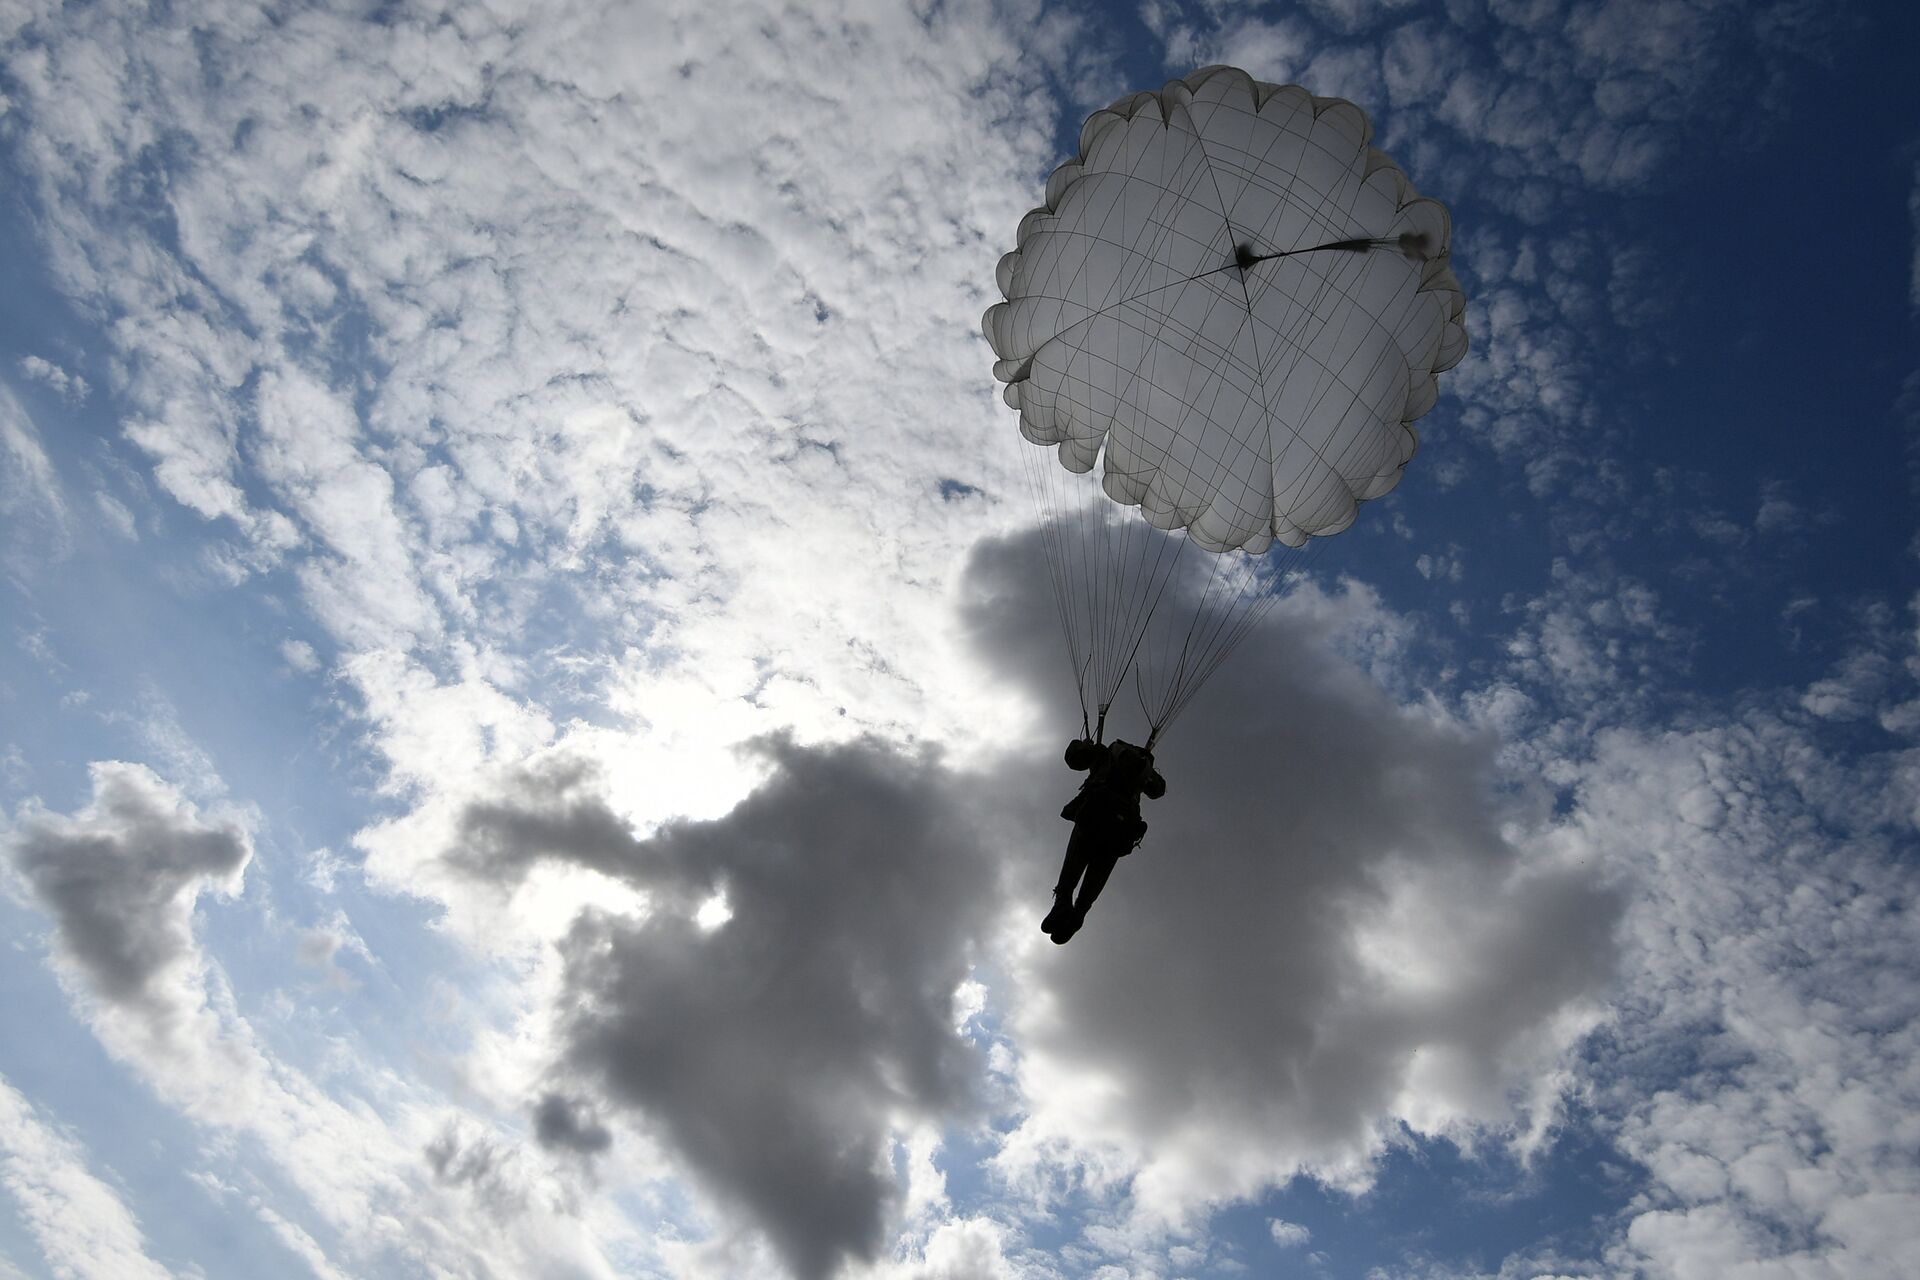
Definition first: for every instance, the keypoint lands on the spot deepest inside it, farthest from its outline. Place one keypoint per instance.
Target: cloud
(1603, 94)
(477, 1163)
(590, 375)
(320, 947)
(1337, 926)
(1525, 118)
(71, 386)
(33, 506)
(79, 1221)
(961, 1249)
(1755, 1062)
(649, 300)
(121, 878)
(569, 1125)
(586, 374)
(777, 1052)
(1913, 214)
(1763, 1066)
(299, 1243)
(300, 656)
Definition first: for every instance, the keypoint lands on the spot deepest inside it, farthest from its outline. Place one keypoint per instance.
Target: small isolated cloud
(323, 869)
(300, 656)
(1777, 513)
(120, 879)
(71, 386)
(1288, 1235)
(1854, 690)
(1447, 567)
(115, 517)
(777, 1051)
(320, 948)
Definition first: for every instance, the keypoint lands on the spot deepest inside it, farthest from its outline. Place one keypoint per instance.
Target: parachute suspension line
(1201, 614)
(1220, 630)
(1414, 246)
(1137, 587)
(1238, 595)
(1222, 603)
(1281, 587)
(1121, 601)
(1145, 675)
(1152, 604)
(1126, 600)
(1037, 489)
(1049, 499)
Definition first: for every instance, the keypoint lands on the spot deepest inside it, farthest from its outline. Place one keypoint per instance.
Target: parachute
(1236, 308)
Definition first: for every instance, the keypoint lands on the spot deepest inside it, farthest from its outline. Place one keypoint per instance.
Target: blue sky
(529, 728)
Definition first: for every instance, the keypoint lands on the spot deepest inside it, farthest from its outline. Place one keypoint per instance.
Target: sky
(530, 709)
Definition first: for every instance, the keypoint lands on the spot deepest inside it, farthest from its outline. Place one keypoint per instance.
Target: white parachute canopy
(1237, 307)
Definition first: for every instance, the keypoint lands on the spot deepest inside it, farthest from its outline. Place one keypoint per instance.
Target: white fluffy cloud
(566, 359)
(1588, 94)
(641, 298)
(1772, 927)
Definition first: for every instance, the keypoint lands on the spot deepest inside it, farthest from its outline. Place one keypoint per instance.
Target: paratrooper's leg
(1072, 867)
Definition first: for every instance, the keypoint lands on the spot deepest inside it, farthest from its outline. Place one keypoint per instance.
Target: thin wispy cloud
(80, 1222)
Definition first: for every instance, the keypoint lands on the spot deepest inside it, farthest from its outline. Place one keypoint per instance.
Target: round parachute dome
(1236, 305)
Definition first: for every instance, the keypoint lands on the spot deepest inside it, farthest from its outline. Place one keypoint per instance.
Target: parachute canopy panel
(1189, 310)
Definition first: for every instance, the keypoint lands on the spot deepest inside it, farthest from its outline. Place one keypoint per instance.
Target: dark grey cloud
(776, 1051)
(1328, 928)
(120, 878)
(569, 1124)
